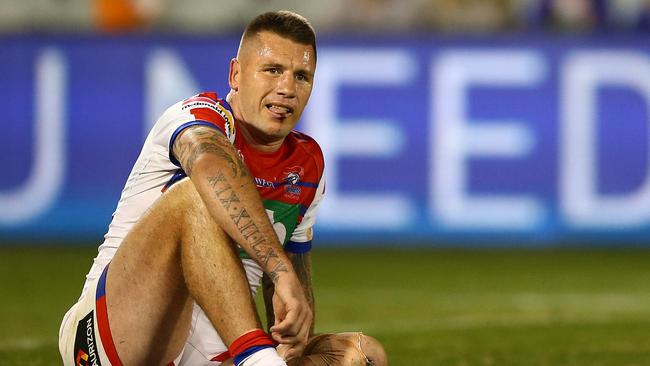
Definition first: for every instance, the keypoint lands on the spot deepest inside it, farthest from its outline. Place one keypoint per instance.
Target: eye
(273, 70)
(302, 77)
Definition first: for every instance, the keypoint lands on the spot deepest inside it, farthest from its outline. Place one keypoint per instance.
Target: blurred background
(487, 163)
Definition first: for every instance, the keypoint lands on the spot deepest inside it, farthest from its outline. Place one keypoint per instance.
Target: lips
(279, 110)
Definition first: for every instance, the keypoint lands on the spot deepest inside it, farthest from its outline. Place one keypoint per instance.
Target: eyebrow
(272, 64)
(299, 70)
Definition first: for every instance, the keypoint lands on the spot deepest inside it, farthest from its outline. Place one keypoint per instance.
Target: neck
(257, 140)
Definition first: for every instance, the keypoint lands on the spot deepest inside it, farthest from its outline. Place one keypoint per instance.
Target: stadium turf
(465, 307)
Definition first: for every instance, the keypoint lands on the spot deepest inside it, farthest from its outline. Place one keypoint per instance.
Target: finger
(277, 337)
(290, 325)
(291, 354)
(294, 353)
(299, 340)
(286, 340)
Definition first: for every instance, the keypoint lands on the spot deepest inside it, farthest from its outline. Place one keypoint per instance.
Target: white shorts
(85, 337)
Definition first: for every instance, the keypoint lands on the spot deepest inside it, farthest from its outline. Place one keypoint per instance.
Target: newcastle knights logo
(292, 178)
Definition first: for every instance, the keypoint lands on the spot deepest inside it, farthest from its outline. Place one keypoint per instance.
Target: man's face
(271, 82)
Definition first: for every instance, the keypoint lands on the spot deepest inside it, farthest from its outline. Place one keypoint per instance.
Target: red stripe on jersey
(208, 115)
(211, 95)
(199, 99)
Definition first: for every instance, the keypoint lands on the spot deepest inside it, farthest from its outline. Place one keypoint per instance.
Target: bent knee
(183, 191)
(183, 198)
(350, 348)
(373, 350)
(190, 210)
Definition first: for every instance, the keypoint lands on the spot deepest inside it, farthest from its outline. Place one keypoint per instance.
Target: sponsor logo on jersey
(204, 102)
(261, 182)
(85, 345)
(229, 125)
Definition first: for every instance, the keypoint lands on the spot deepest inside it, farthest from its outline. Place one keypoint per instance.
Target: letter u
(37, 194)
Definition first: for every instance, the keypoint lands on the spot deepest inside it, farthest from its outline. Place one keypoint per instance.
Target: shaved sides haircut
(284, 23)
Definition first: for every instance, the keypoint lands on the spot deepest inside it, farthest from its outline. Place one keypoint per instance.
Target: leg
(173, 256)
(342, 349)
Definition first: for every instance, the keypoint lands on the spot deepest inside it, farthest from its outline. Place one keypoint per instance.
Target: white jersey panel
(151, 171)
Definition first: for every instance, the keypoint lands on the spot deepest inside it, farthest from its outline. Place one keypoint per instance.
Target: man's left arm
(302, 266)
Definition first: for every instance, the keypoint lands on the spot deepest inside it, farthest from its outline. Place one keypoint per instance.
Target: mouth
(279, 111)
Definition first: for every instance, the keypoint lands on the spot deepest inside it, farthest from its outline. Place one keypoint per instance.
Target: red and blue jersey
(290, 180)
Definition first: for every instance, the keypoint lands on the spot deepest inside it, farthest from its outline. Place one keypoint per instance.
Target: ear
(233, 74)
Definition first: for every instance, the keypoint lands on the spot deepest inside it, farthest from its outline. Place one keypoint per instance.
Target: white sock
(264, 357)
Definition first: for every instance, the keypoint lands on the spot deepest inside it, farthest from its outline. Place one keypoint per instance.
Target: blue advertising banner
(523, 140)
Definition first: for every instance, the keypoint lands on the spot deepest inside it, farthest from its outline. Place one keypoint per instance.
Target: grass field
(429, 307)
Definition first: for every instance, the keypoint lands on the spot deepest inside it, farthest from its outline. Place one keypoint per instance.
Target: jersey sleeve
(202, 109)
(301, 238)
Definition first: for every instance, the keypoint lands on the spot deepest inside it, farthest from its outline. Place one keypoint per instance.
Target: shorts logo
(85, 345)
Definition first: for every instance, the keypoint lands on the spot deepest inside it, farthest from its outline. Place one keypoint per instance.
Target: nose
(287, 85)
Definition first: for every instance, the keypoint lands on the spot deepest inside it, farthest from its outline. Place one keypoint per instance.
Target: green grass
(428, 307)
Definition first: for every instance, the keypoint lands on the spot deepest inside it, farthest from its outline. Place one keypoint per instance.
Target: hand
(293, 315)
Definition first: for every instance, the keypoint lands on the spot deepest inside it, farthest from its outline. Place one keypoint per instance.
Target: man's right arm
(229, 193)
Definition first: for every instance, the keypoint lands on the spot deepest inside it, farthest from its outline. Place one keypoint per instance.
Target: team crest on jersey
(292, 177)
(85, 343)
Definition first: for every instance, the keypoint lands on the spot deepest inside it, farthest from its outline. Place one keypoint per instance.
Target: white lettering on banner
(167, 82)
(453, 139)
(582, 74)
(358, 138)
(43, 185)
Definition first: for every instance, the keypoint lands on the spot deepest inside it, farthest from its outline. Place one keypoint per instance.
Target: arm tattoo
(245, 224)
(206, 140)
(199, 140)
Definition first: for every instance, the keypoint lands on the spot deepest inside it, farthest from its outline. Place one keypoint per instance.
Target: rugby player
(223, 193)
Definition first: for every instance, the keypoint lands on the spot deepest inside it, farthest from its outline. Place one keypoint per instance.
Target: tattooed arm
(229, 193)
(302, 265)
(227, 189)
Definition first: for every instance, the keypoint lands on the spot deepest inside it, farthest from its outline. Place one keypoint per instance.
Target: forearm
(238, 209)
(302, 266)
(228, 191)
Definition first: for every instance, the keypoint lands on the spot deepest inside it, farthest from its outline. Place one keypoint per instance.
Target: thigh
(149, 307)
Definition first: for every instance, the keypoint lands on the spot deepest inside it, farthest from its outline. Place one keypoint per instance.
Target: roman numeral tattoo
(245, 224)
(206, 140)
